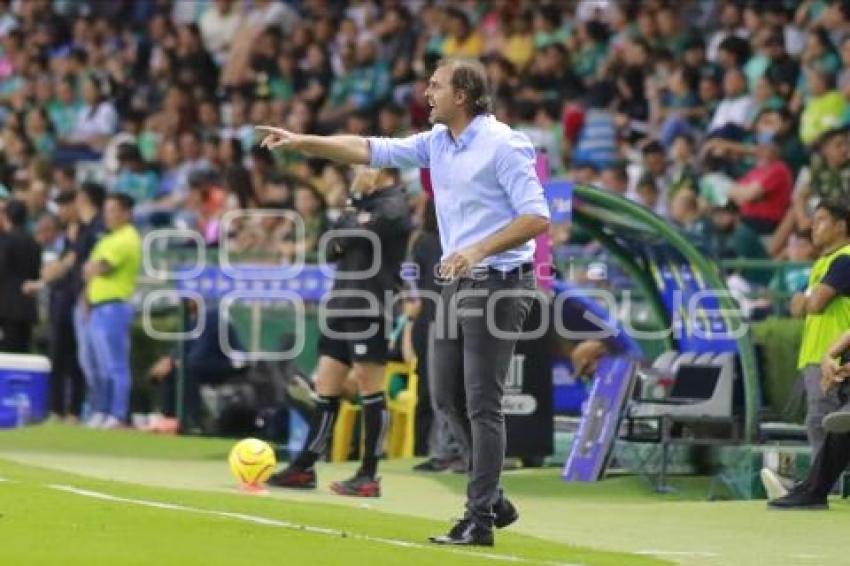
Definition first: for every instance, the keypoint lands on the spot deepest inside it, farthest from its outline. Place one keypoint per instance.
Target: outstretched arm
(343, 149)
(412, 151)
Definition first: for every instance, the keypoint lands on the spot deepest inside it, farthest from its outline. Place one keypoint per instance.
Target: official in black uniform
(362, 286)
(20, 260)
(67, 384)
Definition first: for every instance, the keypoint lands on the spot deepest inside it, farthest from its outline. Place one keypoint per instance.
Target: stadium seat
(402, 411)
(702, 394)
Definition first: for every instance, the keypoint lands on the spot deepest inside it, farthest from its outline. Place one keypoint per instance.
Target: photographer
(377, 220)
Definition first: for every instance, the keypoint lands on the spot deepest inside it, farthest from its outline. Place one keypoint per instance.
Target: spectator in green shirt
(65, 109)
(365, 83)
(824, 108)
(134, 177)
(40, 132)
(730, 238)
(790, 279)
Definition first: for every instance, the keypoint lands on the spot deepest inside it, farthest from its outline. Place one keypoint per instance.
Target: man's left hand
(461, 262)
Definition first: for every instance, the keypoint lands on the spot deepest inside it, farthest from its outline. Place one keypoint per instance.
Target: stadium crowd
(727, 118)
(724, 117)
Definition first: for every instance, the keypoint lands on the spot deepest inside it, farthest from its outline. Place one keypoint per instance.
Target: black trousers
(832, 458)
(424, 413)
(15, 336)
(67, 385)
(830, 461)
(478, 323)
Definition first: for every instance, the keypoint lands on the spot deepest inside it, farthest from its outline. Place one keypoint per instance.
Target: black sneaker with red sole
(293, 478)
(358, 486)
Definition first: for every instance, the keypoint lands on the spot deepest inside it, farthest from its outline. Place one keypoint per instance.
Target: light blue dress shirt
(481, 182)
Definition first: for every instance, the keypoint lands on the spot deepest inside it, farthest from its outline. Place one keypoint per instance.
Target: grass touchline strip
(294, 526)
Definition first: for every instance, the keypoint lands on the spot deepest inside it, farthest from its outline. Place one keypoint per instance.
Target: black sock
(376, 421)
(321, 429)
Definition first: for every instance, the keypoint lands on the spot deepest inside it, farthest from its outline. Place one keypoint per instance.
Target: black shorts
(372, 348)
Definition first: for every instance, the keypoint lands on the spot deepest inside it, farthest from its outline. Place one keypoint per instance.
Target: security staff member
(490, 208)
(825, 307)
(354, 336)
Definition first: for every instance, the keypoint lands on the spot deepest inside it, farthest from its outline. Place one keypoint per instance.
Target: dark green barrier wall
(778, 342)
(273, 325)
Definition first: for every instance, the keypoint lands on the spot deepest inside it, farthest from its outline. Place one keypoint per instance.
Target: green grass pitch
(75, 496)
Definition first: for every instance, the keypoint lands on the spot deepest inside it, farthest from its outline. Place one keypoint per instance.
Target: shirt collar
(470, 131)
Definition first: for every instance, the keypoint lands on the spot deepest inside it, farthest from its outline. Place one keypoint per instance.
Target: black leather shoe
(801, 500)
(505, 512)
(466, 533)
(837, 422)
(432, 465)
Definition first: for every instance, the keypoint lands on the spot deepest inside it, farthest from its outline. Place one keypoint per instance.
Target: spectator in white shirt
(737, 108)
(219, 24)
(97, 121)
(730, 22)
(267, 13)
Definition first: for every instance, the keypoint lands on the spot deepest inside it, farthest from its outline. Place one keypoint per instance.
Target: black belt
(107, 302)
(484, 270)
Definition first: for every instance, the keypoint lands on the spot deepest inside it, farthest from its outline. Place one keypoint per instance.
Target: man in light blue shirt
(490, 207)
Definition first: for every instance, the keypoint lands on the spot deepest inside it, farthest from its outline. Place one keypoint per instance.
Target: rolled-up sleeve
(516, 174)
(412, 151)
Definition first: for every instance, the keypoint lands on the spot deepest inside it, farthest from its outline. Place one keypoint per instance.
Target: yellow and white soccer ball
(252, 461)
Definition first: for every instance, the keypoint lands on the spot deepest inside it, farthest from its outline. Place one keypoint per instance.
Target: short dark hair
(16, 212)
(653, 146)
(125, 201)
(65, 197)
(393, 108)
(470, 76)
(828, 78)
(95, 192)
(647, 182)
(738, 47)
(129, 152)
(829, 135)
(619, 171)
(458, 14)
(261, 153)
(838, 209)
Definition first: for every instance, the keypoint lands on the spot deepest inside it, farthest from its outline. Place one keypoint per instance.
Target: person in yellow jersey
(110, 275)
(826, 308)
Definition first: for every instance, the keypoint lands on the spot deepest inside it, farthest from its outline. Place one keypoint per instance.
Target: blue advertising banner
(559, 195)
(310, 282)
(601, 419)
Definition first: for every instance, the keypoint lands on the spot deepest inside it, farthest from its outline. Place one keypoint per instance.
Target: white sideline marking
(677, 553)
(303, 528)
